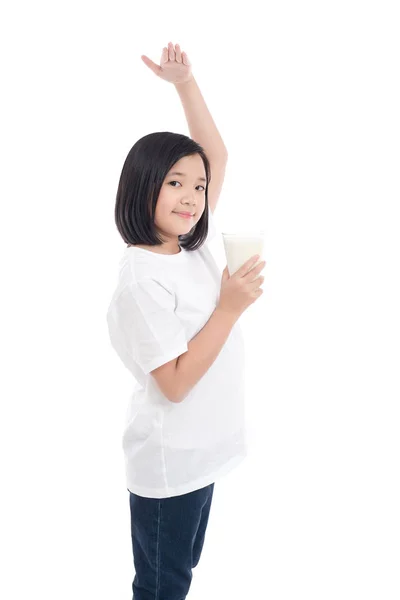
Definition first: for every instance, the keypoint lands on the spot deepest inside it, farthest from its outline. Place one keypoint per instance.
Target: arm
(204, 132)
(177, 377)
(202, 351)
(175, 68)
(200, 122)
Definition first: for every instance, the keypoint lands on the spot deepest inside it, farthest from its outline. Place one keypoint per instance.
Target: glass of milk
(241, 246)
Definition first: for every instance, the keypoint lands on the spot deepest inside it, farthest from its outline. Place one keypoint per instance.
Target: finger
(247, 266)
(257, 268)
(185, 59)
(178, 53)
(155, 68)
(259, 280)
(164, 56)
(171, 52)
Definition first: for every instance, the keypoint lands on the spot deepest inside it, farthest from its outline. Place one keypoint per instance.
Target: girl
(173, 323)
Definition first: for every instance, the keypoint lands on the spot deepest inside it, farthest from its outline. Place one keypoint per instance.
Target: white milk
(240, 247)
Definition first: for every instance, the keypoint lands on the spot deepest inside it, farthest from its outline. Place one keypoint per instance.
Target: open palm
(174, 67)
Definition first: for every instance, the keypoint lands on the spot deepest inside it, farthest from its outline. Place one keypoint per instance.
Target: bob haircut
(143, 173)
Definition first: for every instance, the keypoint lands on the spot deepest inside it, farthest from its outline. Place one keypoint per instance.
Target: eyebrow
(184, 175)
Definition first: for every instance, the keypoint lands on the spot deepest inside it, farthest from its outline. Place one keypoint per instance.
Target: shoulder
(151, 291)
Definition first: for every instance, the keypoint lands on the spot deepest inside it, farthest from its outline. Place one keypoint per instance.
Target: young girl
(173, 322)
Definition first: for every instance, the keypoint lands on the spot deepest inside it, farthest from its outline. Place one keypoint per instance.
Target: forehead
(191, 165)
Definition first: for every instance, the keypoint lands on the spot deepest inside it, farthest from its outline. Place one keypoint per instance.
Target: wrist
(227, 315)
(180, 84)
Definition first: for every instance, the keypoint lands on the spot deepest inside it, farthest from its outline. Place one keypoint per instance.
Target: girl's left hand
(175, 66)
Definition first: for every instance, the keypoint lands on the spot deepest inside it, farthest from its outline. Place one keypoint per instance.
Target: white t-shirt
(161, 302)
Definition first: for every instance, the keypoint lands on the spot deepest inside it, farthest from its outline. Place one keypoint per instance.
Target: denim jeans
(167, 540)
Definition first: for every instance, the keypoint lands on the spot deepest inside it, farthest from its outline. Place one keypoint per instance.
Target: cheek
(165, 204)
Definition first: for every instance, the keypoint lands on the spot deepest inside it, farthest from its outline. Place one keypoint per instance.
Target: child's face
(181, 193)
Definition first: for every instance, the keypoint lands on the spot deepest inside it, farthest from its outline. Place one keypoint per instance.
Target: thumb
(155, 68)
(225, 274)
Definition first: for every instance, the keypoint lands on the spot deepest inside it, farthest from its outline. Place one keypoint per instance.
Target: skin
(185, 194)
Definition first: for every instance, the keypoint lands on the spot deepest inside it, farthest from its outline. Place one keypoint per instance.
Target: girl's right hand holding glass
(242, 289)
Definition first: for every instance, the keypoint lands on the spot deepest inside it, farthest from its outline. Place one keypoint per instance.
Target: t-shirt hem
(186, 488)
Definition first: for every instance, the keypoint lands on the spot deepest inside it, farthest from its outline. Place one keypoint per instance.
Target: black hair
(143, 173)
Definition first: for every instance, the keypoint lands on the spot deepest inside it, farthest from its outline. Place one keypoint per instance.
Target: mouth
(185, 215)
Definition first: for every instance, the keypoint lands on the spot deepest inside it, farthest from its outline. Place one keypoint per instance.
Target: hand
(242, 289)
(175, 66)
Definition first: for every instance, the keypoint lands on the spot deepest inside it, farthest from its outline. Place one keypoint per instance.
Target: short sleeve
(143, 325)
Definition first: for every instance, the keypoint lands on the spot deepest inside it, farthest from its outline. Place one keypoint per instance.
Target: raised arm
(175, 68)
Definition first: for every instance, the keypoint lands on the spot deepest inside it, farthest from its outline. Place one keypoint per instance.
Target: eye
(180, 184)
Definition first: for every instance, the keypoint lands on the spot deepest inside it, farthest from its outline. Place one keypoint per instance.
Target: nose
(189, 204)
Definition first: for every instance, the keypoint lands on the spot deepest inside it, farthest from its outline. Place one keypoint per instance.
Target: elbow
(173, 395)
(175, 398)
(172, 399)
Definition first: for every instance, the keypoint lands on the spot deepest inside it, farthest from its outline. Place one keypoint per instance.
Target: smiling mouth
(183, 216)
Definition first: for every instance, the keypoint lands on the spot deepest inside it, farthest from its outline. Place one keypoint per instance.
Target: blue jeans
(167, 540)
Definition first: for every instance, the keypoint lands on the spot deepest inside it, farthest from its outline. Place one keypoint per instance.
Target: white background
(306, 97)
